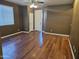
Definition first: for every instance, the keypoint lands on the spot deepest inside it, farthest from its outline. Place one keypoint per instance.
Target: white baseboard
(29, 32)
(71, 49)
(24, 32)
(10, 35)
(55, 34)
(14, 34)
(68, 41)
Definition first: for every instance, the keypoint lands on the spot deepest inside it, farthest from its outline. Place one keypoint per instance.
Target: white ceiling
(47, 2)
(58, 2)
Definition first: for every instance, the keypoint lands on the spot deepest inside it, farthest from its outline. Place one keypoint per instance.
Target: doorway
(38, 20)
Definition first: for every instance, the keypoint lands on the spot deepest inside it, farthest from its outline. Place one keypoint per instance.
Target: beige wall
(75, 24)
(75, 29)
(59, 22)
(25, 18)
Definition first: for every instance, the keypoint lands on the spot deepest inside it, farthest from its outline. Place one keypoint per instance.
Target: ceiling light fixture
(33, 5)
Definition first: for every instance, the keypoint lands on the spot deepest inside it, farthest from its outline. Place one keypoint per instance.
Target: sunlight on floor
(9, 51)
(41, 39)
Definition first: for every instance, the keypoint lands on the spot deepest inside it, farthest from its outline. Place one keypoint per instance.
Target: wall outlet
(51, 30)
(18, 30)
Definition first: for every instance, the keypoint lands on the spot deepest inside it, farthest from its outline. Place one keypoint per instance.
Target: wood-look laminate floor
(36, 45)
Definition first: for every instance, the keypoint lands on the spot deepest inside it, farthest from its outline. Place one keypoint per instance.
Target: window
(6, 15)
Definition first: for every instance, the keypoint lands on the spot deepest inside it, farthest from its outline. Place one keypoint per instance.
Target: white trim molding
(55, 34)
(68, 41)
(71, 49)
(14, 34)
(10, 35)
(25, 32)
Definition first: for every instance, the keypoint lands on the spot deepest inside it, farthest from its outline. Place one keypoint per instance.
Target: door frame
(33, 19)
(39, 13)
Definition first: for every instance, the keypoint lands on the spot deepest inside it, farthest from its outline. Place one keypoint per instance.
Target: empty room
(39, 29)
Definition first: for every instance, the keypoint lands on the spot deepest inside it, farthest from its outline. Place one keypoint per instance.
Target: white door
(38, 20)
(30, 21)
